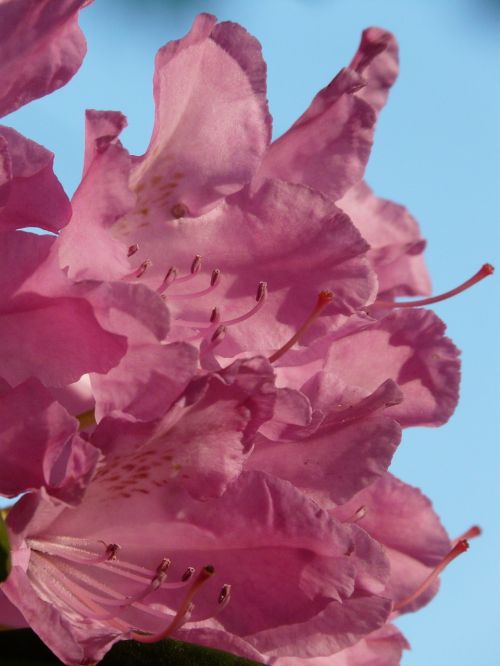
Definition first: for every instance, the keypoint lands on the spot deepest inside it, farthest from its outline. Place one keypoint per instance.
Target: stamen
(483, 272)
(170, 276)
(324, 298)
(139, 272)
(132, 249)
(187, 574)
(73, 551)
(215, 316)
(196, 265)
(224, 595)
(457, 550)
(214, 281)
(184, 609)
(359, 514)
(260, 298)
(471, 533)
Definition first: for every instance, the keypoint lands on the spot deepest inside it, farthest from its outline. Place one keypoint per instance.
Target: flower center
(86, 578)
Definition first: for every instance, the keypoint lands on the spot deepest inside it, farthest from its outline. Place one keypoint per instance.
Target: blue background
(436, 151)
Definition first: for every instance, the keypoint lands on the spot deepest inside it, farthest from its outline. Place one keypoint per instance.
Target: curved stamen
(75, 553)
(184, 609)
(214, 281)
(170, 277)
(260, 298)
(457, 550)
(147, 263)
(324, 298)
(217, 337)
(484, 271)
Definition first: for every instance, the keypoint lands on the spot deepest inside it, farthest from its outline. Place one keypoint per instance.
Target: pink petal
(335, 462)
(394, 237)
(32, 196)
(210, 135)
(87, 246)
(41, 48)
(401, 518)
(409, 347)
(147, 380)
(328, 146)
(39, 446)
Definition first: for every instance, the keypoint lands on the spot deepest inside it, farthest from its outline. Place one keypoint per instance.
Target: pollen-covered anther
(218, 335)
(187, 574)
(196, 265)
(143, 268)
(215, 316)
(183, 612)
(214, 282)
(112, 552)
(224, 595)
(260, 298)
(459, 548)
(170, 277)
(483, 272)
(325, 297)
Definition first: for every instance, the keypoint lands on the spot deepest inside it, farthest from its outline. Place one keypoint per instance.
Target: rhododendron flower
(224, 304)
(84, 578)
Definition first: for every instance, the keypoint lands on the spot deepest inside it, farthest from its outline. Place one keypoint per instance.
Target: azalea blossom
(84, 578)
(212, 372)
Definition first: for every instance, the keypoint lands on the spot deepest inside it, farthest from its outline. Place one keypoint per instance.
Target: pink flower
(84, 577)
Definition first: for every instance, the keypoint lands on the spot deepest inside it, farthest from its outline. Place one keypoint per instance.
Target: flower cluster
(204, 370)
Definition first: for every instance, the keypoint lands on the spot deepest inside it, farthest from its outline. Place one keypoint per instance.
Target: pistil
(483, 272)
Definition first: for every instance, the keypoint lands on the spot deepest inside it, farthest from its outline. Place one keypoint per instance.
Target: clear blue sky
(436, 150)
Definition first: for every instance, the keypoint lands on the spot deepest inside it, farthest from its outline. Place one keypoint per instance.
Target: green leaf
(21, 647)
(5, 561)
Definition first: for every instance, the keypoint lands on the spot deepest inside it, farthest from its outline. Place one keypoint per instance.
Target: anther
(132, 249)
(358, 514)
(215, 316)
(224, 595)
(187, 574)
(112, 552)
(143, 268)
(325, 297)
(184, 611)
(196, 265)
(459, 548)
(483, 272)
(218, 334)
(215, 277)
(170, 276)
